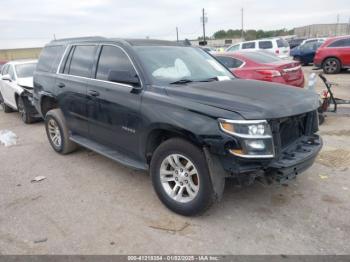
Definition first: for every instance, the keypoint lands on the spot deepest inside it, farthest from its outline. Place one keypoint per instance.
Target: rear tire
(5, 107)
(331, 66)
(57, 132)
(23, 109)
(181, 178)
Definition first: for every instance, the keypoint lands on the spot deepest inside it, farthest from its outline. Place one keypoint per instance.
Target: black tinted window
(282, 43)
(112, 59)
(265, 44)
(229, 62)
(82, 59)
(50, 58)
(341, 43)
(249, 45)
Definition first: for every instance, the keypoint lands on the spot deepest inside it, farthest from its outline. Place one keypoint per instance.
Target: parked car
(314, 40)
(2, 62)
(333, 55)
(277, 46)
(305, 53)
(176, 111)
(263, 66)
(16, 89)
(294, 42)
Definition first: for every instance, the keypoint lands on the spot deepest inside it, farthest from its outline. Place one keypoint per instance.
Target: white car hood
(25, 82)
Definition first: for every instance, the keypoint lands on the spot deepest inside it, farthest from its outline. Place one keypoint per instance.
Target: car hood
(249, 98)
(25, 82)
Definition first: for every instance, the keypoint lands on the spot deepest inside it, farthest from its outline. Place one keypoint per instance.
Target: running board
(108, 152)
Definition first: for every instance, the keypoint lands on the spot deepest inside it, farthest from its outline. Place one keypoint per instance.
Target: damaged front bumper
(295, 159)
(289, 163)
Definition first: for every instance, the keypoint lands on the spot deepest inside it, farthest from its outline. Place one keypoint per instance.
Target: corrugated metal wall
(23, 53)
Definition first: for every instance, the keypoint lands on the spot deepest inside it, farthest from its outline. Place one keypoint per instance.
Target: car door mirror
(124, 77)
(6, 78)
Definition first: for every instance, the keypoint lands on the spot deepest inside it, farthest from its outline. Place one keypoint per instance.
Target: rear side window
(229, 62)
(50, 58)
(282, 43)
(341, 43)
(249, 45)
(265, 44)
(82, 58)
(112, 58)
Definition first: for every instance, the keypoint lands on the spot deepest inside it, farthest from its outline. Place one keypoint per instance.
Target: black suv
(176, 111)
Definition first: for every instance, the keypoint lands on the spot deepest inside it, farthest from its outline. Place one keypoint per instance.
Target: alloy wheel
(331, 66)
(54, 133)
(21, 109)
(179, 178)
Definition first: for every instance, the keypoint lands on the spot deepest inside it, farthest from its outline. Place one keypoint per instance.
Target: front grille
(291, 129)
(288, 130)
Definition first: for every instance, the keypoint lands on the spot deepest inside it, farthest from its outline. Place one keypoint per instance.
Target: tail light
(269, 74)
(277, 51)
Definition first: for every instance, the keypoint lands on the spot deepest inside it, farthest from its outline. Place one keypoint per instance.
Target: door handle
(61, 85)
(93, 93)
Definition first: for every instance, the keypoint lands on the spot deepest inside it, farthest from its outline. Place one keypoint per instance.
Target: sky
(32, 23)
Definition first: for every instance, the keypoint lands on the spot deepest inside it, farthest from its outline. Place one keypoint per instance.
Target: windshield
(25, 70)
(169, 64)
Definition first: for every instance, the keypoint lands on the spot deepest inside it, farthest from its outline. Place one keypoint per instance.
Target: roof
(133, 42)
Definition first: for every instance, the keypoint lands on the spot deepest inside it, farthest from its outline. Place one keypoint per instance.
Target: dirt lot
(91, 205)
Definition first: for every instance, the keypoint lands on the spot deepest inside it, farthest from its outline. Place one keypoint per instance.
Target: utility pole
(177, 34)
(337, 31)
(242, 17)
(203, 20)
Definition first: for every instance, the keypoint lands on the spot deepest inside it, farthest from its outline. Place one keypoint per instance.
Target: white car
(16, 89)
(277, 46)
(317, 40)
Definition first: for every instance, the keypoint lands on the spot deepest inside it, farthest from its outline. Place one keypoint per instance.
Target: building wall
(218, 42)
(22, 53)
(322, 30)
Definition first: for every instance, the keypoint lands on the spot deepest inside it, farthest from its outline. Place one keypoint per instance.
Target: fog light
(255, 144)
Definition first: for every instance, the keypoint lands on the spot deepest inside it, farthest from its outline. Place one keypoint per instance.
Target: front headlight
(254, 136)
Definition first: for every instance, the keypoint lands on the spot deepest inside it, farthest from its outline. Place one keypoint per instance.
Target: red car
(333, 55)
(259, 65)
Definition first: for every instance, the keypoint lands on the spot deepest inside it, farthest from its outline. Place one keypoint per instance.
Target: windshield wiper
(211, 79)
(181, 81)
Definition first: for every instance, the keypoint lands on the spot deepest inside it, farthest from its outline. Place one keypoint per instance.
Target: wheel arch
(47, 102)
(162, 132)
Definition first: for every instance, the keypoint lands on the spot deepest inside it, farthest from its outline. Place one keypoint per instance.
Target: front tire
(181, 178)
(331, 66)
(57, 132)
(23, 109)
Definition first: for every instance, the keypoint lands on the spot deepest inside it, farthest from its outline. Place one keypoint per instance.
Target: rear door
(114, 118)
(71, 90)
(283, 48)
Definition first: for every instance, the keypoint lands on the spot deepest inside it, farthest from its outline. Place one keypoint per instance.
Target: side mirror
(6, 78)
(124, 77)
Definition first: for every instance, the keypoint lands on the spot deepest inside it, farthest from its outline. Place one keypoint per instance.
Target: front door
(113, 108)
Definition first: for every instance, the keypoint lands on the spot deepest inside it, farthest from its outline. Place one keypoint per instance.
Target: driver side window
(11, 72)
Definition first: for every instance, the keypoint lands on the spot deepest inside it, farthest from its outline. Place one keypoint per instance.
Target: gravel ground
(90, 205)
